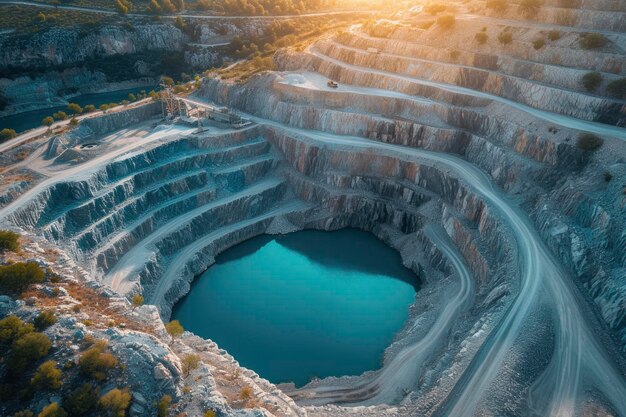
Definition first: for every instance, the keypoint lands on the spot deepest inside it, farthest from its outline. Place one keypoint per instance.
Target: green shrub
(53, 410)
(132, 97)
(95, 362)
(174, 328)
(18, 276)
(591, 80)
(6, 134)
(81, 400)
(617, 87)
(589, 142)
(47, 121)
(89, 108)
(44, 320)
(592, 40)
(481, 37)
(538, 43)
(115, 402)
(73, 122)
(529, 7)
(60, 115)
(9, 241)
(12, 328)
(554, 35)
(209, 413)
(505, 38)
(26, 350)
(104, 107)
(190, 362)
(47, 376)
(75, 108)
(137, 300)
(163, 406)
(446, 21)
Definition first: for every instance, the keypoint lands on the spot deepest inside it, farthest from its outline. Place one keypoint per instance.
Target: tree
(446, 21)
(592, 40)
(115, 402)
(18, 276)
(44, 320)
(6, 134)
(75, 108)
(24, 413)
(132, 97)
(9, 241)
(122, 7)
(89, 108)
(73, 122)
(163, 406)
(47, 121)
(167, 6)
(174, 328)
(53, 410)
(95, 362)
(554, 35)
(104, 107)
(481, 37)
(81, 400)
(154, 7)
(180, 5)
(617, 87)
(190, 362)
(591, 80)
(60, 115)
(12, 328)
(137, 300)
(47, 376)
(538, 43)
(589, 142)
(26, 350)
(505, 38)
(167, 80)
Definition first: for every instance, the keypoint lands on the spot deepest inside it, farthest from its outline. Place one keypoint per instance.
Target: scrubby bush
(209, 413)
(446, 21)
(174, 328)
(81, 400)
(554, 35)
(24, 413)
(454, 54)
(9, 241)
(245, 393)
(12, 328)
(163, 406)
(44, 320)
(497, 5)
(132, 97)
(529, 7)
(47, 376)
(95, 362)
(60, 115)
(104, 107)
(73, 122)
(47, 121)
(53, 410)
(481, 37)
(435, 8)
(6, 134)
(89, 108)
(75, 108)
(617, 87)
(589, 142)
(505, 38)
(190, 362)
(592, 40)
(26, 350)
(591, 80)
(538, 43)
(115, 402)
(17, 277)
(137, 300)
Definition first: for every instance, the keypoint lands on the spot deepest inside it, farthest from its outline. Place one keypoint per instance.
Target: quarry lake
(32, 119)
(303, 305)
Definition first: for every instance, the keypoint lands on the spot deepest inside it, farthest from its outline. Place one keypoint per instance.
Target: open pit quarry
(463, 157)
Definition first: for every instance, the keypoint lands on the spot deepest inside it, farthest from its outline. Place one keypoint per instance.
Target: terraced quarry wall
(471, 167)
